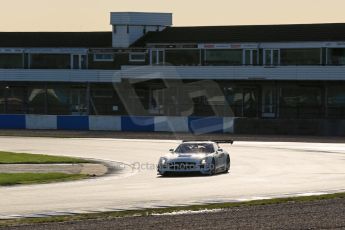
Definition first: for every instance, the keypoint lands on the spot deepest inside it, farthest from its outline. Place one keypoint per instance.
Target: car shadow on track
(191, 174)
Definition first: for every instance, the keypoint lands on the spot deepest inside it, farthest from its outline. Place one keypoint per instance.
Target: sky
(93, 15)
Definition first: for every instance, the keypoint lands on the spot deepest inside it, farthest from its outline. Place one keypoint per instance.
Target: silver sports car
(205, 157)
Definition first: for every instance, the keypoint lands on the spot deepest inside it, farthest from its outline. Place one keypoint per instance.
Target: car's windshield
(195, 148)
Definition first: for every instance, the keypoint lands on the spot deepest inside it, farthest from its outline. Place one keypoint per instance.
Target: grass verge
(7, 179)
(25, 158)
(148, 212)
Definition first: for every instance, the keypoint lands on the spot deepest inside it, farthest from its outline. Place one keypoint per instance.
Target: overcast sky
(93, 15)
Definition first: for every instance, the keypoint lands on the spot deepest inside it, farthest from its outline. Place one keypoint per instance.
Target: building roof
(204, 34)
(56, 39)
(255, 33)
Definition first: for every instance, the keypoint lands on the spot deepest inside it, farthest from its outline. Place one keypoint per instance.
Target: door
(271, 57)
(157, 57)
(221, 159)
(250, 57)
(78, 61)
(269, 102)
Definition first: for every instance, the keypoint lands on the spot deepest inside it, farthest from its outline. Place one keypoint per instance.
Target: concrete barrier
(197, 125)
(41, 122)
(229, 123)
(171, 124)
(137, 124)
(8, 121)
(105, 123)
(202, 125)
(73, 122)
(312, 127)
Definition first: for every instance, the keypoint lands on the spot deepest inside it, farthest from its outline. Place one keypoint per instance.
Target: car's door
(221, 158)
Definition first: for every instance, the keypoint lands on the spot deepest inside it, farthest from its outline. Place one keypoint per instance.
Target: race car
(205, 157)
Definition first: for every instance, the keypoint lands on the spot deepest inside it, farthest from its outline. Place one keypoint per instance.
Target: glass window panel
(336, 101)
(182, 57)
(11, 61)
(15, 102)
(161, 57)
(255, 57)
(154, 57)
(50, 61)
(275, 57)
(248, 57)
(300, 56)
(78, 101)
(224, 57)
(76, 62)
(301, 102)
(104, 101)
(336, 96)
(268, 57)
(137, 57)
(36, 100)
(234, 98)
(250, 103)
(336, 56)
(103, 57)
(83, 61)
(58, 100)
(2, 99)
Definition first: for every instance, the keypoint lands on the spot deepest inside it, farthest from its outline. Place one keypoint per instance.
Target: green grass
(148, 212)
(24, 158)
(7, 179)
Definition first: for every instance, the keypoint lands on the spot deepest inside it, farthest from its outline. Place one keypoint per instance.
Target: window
(250, 57)
(224, 57)
(11, 61)
(58, 100)
(336, 56)
(336, 101)
(182, 56)
(300, 56)
(137, 57)
(103, 57)
(15, 99)
(300, 102)
(36, 100)
(243, 101)
(271, 57)
(50, 61)
(336, 96)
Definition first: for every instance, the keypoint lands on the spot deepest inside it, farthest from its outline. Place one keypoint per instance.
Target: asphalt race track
(258, 170)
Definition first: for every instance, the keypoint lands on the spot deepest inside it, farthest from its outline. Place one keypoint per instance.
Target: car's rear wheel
(227, 164)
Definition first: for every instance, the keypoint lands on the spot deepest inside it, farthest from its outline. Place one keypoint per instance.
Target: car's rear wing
(216, 141)
(224, 141)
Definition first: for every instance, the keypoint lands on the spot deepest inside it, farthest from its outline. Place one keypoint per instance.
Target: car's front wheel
(213, 167)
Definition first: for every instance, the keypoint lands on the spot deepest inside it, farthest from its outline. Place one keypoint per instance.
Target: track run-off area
(259, 170)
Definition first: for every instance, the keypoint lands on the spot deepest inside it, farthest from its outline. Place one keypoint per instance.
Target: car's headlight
(203, 161)
(163, 161)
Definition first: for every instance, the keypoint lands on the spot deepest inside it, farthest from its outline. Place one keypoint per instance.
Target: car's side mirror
(171, 150)
(220, 150)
